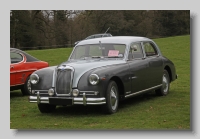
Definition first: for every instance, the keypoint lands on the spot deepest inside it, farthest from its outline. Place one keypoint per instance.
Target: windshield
(99, 51)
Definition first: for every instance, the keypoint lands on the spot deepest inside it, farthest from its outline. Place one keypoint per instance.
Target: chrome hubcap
(113, 97)
(29, 85)
(165, 83)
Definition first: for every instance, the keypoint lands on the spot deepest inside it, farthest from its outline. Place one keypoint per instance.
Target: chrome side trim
(128, 92)
(24, 70)
(132, 94)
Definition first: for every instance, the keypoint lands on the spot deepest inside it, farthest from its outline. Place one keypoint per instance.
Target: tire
(112, 99)
(46, 108)
(26, 89)
(164, 90)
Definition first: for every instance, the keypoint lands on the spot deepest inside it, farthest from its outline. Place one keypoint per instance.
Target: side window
(150, 49)
(135, 51)
(90, 37)
(15, 57)
(98, 36)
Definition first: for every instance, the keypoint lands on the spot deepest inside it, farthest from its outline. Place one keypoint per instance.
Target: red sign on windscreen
(113, 53)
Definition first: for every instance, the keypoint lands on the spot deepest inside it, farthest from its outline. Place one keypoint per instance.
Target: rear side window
(15, 57)
(150, 49)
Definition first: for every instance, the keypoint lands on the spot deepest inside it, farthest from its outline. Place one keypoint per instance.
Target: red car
(21, 67)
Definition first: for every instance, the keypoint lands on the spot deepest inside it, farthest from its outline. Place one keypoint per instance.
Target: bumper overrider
(83, 100)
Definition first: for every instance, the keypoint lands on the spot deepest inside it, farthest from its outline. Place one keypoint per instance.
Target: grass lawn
(149, 112)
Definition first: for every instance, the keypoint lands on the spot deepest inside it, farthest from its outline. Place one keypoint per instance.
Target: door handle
(11, 67)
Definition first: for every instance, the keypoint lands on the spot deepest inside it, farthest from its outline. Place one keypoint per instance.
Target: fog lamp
(75, 92)
(51, 92)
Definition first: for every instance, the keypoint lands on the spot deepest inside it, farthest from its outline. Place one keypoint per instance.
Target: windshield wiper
(86, 57)
(97, 56)
(113, 56)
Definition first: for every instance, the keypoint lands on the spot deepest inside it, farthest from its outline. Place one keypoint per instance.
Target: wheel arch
(120, 85)
(167, 68)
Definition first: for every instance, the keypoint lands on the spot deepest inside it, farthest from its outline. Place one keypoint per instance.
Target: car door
(138, 67)
(155, 64)
(16, 76)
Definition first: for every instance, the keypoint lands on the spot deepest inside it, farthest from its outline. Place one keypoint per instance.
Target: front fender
(105, 74)
(45, 78)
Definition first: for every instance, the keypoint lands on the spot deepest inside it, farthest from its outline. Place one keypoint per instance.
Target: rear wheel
(112, 98)
(46, 108)
(26, 89)
(164, 90)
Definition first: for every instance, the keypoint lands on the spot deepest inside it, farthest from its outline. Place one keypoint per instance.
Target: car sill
(136, 93)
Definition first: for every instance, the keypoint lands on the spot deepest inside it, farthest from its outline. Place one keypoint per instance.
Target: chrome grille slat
(63, 84)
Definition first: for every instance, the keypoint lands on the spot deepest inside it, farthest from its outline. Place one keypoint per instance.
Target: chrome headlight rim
(34, 78)
(93, 79)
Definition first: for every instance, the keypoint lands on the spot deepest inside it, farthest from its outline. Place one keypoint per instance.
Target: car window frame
(74, 50)
(142, 49)
(154, 47)
(19, 61)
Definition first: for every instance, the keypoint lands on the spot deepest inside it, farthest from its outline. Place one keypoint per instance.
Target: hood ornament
(64, 68)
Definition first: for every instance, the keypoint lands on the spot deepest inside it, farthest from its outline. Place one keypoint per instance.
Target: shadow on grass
(137, 99)
(81, 110)
(15, 93)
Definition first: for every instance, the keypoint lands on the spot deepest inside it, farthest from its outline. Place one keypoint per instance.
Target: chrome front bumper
(83, 100)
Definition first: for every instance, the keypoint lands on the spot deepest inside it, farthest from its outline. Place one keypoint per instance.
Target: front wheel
(26, 89)
(164, 90)
(112, 98)
(46, 108)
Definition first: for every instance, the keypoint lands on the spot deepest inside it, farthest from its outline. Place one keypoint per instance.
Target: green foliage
(21, 29)
(30, 29)
(148, 112)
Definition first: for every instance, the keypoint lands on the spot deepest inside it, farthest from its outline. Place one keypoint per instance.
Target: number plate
(60, 101)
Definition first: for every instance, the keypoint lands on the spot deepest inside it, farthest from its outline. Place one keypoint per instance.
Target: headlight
(34, 78)
(75, 92)
(94, 79)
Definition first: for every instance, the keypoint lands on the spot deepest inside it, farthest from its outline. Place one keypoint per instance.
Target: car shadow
(15, 93)
(77, 110)
(137, 99)
(80, 110)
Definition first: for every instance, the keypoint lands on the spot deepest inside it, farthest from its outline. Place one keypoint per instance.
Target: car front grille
(63, 81)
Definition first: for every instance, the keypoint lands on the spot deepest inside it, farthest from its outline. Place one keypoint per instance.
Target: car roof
(29, 58)
(115, 39)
